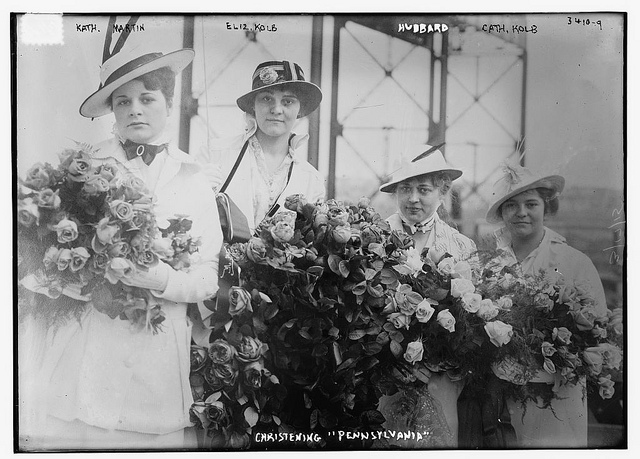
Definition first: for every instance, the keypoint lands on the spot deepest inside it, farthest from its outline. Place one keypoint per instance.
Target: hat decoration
(272, 74)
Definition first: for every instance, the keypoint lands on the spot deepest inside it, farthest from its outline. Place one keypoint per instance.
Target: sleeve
(587, 272)
(200, 282)
(317, 188)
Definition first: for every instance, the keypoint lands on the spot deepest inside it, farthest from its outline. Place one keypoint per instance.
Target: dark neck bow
(145, 151)
(422, 227)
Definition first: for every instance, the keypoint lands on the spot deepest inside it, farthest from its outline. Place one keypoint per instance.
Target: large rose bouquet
(556, 335)
(82, 228)
(353, 312)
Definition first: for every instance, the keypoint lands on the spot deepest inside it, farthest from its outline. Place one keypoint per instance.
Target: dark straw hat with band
(277, 73)
(124, 67)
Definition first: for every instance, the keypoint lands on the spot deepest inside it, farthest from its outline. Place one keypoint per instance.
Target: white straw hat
(425, 160)
(517, 179)
(123, 67)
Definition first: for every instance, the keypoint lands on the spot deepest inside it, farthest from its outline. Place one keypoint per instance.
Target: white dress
(566, 425)
(98, 383)
(430, 410)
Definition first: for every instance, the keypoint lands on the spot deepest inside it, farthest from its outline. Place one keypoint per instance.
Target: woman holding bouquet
(267, 169)
(523, 201)
(419, 188)
(105, 383)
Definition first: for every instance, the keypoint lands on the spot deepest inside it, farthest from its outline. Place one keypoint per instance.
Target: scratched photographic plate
(551, 85)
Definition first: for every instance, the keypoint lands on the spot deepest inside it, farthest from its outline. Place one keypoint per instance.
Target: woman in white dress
(419, 188)
(103, 384)
(523, 201)
(268, 171)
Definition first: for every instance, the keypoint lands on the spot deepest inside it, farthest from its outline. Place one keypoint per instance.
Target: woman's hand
(155, 278)
(214, 174)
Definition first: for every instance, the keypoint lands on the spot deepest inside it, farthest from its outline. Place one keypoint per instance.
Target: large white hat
(424, 159)
(515, 180)
(123, 67)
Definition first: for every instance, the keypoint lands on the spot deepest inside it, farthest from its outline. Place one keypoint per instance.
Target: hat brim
(557, 184)
(389, 187)
(312, 96)
(97, 104)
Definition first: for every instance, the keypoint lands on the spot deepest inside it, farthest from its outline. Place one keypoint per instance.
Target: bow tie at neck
(146, 151)
(423, 226)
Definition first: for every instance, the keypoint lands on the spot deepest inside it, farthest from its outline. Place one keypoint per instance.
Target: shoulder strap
(276, 206)
(235, 167)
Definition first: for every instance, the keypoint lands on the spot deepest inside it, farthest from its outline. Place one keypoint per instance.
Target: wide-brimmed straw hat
(422, 159)
(123, 67)
(272, 74)
(515, 180)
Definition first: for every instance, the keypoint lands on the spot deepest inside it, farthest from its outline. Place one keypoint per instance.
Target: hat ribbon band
(131, 65)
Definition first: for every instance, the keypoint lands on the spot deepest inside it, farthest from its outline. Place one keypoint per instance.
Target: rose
(461, 286)
(507, 280)
(399, 320)
(252, 373)
(79, 256)
(146, 258)
(121, 210)
(134, 188)
(606, 387)
(95, 185)
(414, 352)
(212, 379)
(611, 355)
(106, 171)
(424, 311)
(504, 302)
(462, 269)
(446, 320)
(471, 302)
(584, 319)
(295, 202)
(499, 333)
(338, 215)
(38, 177)
(106, 232)
(79, 167)
(239, 301)
(543, 301)
(238, 440)
(320, 219)
(162, 248)
(216, 412)
(446, 266)
(615, 320)
(598, 332)
(256, 250)
(118, 268)
(139, 219)
(407, 300)
(100, 260)
(67, 231)
(64, 259)
(28, 212)
(221, 352)
(341, 234)
(48, 199)
(549, 366)
(250, 349)
(414, 260)
(593, 358)
(562, 335)
(227, 373)
(547, 349)
(370, 233)
(198, 358)
(119, 249)
(401, 240)
(282, 232)
(487, 310)
(51, 257)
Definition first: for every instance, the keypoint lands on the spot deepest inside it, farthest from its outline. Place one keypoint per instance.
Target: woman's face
(141, 114)
(276, 111)
(417, 199)
(523, 215)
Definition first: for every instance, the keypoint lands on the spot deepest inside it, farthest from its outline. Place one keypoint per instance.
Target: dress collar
(424, 226)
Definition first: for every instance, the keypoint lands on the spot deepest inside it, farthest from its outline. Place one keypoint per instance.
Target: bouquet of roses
(82, 228)
(554, 334)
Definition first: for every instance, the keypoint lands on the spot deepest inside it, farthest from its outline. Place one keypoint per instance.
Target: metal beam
(188, 105)
(315, 76)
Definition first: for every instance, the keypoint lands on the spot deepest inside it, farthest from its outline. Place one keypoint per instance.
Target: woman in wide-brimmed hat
(419, 188)
(523, 200)
(106, 385)
(268, 170)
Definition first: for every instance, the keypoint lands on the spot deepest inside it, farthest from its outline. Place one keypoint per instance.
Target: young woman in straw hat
(523, 200)
(419, 188)
(268, 171)
(105, 385)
